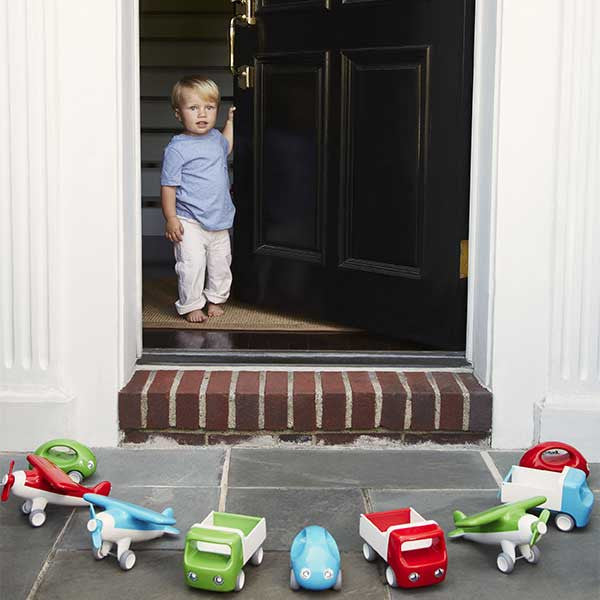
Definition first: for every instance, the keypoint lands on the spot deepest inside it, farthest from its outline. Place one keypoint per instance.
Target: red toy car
(554, 456)
(413, 548)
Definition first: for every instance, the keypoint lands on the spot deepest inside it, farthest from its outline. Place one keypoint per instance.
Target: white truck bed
(378, 539)
(250, 543)
(522, 483)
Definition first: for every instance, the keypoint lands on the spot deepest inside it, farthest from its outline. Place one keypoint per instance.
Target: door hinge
(464, 258)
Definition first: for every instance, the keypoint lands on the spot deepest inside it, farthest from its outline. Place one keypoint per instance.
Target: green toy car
(217, 549)
(75, 459)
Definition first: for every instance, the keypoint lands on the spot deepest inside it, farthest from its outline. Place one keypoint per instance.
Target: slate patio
(292, 487)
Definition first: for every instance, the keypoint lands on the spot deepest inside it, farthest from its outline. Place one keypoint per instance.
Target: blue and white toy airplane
(122, 523)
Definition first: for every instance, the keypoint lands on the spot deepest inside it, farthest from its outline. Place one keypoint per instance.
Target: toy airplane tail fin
(456, 533)
(103, 488)
(168, 512)
(171, 530)
(458, 515)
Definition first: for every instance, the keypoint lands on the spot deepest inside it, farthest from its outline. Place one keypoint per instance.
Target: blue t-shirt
(197, 166)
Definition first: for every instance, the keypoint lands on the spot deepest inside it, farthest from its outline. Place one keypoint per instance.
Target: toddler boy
(195, 199)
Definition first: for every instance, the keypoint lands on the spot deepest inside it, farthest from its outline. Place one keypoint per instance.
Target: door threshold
(183, 357)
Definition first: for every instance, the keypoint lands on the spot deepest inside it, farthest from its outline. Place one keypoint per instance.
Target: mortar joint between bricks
(318, 400)
(437, 406)
(408, 404)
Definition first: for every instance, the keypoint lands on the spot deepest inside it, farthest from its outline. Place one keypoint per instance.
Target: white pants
(202, 255)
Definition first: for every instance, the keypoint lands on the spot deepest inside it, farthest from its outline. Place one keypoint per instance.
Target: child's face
(197, 114)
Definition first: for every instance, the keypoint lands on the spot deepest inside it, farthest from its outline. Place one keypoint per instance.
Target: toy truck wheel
(127, 560)
(390, 577)
(240, 581)
(505, 563)
(337, 586)
(368, 552)
(37, 518)
(564, 522)
(257, 558)
(76, 476)
(534, 557)
(293, 583)
(26, 507)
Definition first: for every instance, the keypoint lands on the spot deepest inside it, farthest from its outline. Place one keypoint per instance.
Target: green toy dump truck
(217, 549)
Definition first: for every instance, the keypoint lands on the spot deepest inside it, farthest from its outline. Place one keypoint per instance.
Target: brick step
(214, 406)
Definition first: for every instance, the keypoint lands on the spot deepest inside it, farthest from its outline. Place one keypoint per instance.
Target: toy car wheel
(26, 507)
(37, 518)
(257, 558)
(76, 476)
(337, 586)
(534, 557)
(564, 522)
(369, 553)
(390, 577)
(293, 582)
(98, 554)
(127, 560)
(240, 581)
(505, 563)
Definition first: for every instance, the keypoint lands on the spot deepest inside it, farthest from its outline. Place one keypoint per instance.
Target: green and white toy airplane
(508, 525)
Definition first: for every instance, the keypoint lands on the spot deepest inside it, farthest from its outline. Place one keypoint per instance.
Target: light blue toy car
(315, 560)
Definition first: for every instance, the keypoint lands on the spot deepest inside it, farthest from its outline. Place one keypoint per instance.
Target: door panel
(352, 162)
(289, 169)
(382, 176)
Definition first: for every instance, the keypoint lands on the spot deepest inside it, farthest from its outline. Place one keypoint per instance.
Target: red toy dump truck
(413, 548)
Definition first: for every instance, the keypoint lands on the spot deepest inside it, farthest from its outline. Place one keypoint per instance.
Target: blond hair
(206, 88)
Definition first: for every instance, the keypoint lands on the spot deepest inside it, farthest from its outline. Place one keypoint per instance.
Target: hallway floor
(291, 487)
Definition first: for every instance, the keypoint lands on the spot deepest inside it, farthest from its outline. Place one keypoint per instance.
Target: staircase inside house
(177, 38)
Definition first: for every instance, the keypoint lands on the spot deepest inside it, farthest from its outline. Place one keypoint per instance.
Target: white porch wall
(69, 337)
(535, 306)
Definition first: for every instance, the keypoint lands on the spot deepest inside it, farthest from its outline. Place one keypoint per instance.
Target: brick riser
(211, 407)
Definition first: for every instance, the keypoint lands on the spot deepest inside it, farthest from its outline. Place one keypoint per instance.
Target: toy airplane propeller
(508, 525)
(122, 523)
(45, 484)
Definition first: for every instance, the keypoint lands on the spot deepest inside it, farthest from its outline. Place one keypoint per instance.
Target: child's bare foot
(196, 316)
(214, 310)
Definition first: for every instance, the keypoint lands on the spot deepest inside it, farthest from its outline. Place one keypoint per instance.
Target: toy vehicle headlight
(90, 464)
(192, 576)
(218, 580)
(305, 573)
(328, 573)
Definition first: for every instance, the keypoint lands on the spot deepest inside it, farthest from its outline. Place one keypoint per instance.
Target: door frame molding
(482, 215)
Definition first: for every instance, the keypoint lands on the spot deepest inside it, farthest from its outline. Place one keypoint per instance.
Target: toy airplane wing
(137, 512)
(493, 514)
(56, 478)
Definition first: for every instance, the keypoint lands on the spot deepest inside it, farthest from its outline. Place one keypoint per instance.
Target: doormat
(159, 312)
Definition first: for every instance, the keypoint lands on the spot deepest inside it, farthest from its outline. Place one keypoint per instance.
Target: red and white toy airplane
(45, 484)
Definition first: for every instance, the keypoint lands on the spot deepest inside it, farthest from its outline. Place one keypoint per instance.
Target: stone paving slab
(190, 505)
(359, 468)
(23, 548)
(173, 466)
(288, 511)
(158, 575)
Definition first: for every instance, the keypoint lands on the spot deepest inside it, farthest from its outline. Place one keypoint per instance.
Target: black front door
(351, 163)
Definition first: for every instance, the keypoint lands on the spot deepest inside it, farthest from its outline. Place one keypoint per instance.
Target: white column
(571, 410)
(70, 275)
(30, 231)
